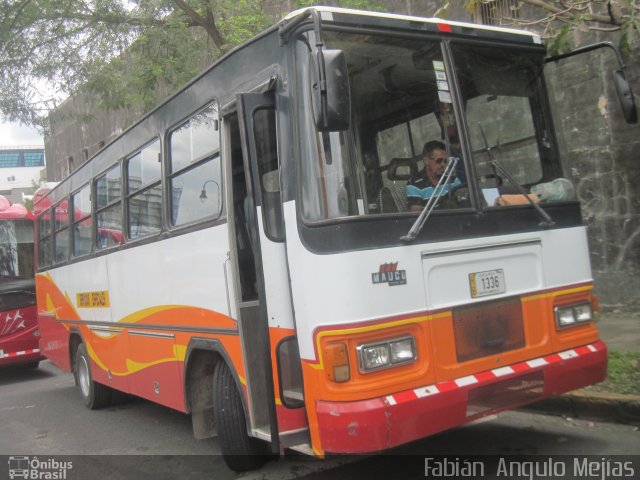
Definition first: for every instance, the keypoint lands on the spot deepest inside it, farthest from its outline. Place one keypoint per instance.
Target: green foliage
(117, 51)
(241, 20)
(166, 56)
(563, 24)
(560, 41)
(630, 30)
(471, 5)
(356, 4)
(123, 52)
(28, 202)
(623, 374)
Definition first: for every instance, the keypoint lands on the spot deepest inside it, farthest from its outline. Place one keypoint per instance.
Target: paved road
(42, 415)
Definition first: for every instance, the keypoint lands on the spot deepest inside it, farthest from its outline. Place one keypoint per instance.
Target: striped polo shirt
(419, 190)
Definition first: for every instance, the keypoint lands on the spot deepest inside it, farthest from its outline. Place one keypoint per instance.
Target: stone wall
(602, 157)
(77, 130)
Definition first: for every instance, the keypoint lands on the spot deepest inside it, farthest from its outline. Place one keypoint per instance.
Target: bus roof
(13, 211)
(348, 15)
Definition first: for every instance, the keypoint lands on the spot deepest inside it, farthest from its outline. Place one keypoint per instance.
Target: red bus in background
(18, 320)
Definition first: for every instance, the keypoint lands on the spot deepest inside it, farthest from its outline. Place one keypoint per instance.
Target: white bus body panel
(186, 270)
(337, 289)
(276, 279)
(88, 276)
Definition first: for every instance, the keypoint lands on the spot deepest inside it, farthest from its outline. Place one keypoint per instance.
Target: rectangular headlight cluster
(385, 354)
(568, 315)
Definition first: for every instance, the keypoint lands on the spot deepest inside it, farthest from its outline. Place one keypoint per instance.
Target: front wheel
(94, 394)
(240, 451)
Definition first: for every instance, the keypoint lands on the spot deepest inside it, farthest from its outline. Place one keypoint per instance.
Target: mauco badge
(390, 274)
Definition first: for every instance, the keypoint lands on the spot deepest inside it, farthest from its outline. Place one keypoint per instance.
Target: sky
(14, 134)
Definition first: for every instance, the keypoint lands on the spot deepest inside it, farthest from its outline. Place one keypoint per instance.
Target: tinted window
(108, 187)
(108, 208)
(82, 222)
(61, 237)
(196, 187)
(144, 205)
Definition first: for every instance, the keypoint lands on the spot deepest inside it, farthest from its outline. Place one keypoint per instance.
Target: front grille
(488, 328)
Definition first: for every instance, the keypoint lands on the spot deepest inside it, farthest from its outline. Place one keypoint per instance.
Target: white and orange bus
(245, 253)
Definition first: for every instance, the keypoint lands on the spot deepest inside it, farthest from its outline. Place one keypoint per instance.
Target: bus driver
(422, 186)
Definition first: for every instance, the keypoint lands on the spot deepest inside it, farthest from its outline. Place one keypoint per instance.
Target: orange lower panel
(160, 383)
(381, 423)
(437, 359)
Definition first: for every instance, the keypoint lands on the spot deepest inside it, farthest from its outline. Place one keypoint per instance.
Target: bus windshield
(16, 250)
(403, 117)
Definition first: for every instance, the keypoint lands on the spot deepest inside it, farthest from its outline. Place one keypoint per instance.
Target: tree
(117, 51)
(563, 21)
(50, 49)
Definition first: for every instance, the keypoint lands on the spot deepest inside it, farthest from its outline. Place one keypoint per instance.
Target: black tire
(94, 395)
(240, 451)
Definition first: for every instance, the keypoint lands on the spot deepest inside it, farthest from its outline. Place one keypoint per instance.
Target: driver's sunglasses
(439, 160)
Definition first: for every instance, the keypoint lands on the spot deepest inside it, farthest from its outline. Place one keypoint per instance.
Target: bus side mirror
(625, 97)
(330, 93)
(623, 88)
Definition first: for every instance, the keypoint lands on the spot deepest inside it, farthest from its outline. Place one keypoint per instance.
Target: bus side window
(82, 222)
(195, 174)
(45, 239)
(108, 208)
(267, 155)
(61, 235)
(144, 199)
(109, 238)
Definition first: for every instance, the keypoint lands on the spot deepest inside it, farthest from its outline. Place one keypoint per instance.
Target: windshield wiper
(547, 221)
(416, 228)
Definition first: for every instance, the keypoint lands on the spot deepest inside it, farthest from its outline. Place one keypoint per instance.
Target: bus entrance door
(264, 300)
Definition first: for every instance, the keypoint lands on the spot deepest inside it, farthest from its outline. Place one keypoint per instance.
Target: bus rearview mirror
(625, 97)
(623, 88)
(331, 99)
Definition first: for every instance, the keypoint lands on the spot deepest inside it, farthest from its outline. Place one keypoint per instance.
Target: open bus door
(264, 298)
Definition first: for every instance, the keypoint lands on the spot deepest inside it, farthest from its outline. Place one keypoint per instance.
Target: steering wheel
(457, 197)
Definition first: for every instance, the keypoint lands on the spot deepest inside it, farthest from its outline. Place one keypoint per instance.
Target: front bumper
(381, 423)
(20, 348)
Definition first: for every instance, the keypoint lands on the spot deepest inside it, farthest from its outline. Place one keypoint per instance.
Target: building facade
(21, 170)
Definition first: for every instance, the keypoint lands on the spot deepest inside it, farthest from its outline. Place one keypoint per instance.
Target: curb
(608, 407)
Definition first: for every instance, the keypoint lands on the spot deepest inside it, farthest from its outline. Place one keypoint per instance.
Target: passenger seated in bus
(422, 186)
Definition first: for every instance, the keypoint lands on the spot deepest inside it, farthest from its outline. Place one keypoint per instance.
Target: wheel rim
(83, 376)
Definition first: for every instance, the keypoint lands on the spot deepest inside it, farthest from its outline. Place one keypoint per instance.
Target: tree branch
(549, 7)
(207, 22)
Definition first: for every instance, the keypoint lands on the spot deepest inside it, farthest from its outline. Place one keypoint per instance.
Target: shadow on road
(12, 374)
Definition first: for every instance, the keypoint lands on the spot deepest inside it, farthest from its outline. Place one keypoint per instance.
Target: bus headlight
(385, 354)
(569, 315)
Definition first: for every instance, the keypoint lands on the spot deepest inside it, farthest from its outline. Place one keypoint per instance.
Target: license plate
(487, 283)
